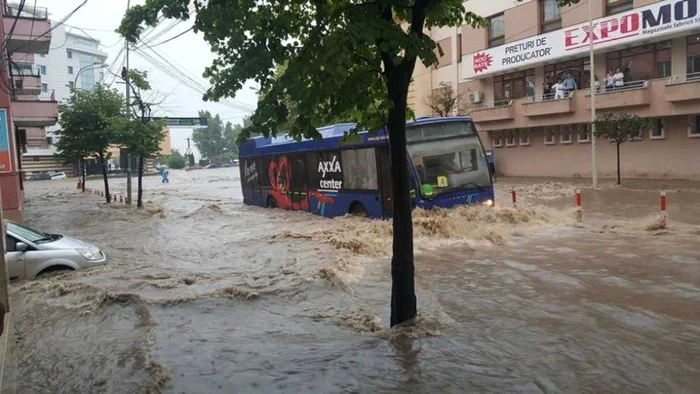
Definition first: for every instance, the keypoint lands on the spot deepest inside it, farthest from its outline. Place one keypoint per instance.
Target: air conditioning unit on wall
(476, 97)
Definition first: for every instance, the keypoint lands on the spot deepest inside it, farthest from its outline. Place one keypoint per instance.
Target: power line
(172, 38)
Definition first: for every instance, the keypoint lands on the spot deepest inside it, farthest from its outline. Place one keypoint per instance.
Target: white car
(29, 252)
(58, 175)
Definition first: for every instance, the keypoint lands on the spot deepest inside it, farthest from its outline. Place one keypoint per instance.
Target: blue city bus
(448, 167)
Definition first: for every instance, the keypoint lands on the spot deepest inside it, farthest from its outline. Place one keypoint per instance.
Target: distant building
(73, 61)
(504, 74)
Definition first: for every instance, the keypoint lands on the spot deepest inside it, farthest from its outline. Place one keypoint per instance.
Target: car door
(15, 260)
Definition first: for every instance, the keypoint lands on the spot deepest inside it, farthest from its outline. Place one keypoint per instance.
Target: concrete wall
(674, 157)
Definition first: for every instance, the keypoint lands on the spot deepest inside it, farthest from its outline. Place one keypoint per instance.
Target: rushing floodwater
(203, 294)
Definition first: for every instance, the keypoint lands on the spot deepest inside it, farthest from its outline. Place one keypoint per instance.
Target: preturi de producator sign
(653, 21)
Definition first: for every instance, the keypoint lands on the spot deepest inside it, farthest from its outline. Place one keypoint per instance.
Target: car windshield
(28, 234)
(451, 163)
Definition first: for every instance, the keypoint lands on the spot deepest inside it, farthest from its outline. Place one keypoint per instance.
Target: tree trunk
(618, 164)
(81, 172)
(403, 295)
(108, 198)
(139, 197)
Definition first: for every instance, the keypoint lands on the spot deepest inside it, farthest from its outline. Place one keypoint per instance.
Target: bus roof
(332, 136)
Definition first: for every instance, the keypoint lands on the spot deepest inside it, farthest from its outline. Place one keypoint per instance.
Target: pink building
(25, 108)
(502, 73)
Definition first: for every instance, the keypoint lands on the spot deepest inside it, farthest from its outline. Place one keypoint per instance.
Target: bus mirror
(428, 190)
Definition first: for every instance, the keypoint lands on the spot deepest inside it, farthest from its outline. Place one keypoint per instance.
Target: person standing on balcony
(547, 91)
(610, 80)
(569, 84)
(559, 90)
(618, 78)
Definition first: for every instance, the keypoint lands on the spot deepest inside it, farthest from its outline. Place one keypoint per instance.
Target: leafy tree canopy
(620, 127)
(85, 122)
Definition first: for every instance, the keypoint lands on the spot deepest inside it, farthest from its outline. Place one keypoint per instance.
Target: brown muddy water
(203, 294)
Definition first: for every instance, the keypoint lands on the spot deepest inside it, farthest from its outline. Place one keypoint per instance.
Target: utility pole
(128, 113)
(594, 170)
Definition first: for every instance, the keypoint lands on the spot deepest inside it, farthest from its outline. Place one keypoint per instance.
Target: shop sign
(653, 21)
(5, 156)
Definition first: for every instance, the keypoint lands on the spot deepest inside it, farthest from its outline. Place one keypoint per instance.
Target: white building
(74, 60)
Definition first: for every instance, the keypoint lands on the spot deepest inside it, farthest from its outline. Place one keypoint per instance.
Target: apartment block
(24, 105)
(74, 60)
(502, 74)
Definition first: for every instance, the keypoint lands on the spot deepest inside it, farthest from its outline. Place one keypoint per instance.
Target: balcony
(28, 31)
(500, 110)
(632, 94)
(548, 106)
(683, 88)
(26, 81)
(36, 111)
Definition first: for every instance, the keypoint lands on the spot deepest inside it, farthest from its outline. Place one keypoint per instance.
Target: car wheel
(357, 209)
(271, 202)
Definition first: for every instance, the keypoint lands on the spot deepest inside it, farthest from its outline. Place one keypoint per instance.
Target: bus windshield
(451, 163)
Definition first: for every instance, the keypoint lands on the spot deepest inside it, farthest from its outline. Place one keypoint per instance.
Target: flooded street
(203, 294)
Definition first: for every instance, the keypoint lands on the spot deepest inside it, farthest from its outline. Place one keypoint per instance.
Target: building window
(42, 70)
(44, 87)
(71, 84)
(693, 55)
(657, 129)
(583, 134)
(497, 30)
(524, 137)
(514, 86)
(565, 135)
(576, 68)
(497, 139)
(102, 76)
(510, 138)
(549, 136)
(69, 54)
(70, 69)
(459, 47)
(617, 6)
(42, 54)
(643, 62)
(694, 126)
(550, 16)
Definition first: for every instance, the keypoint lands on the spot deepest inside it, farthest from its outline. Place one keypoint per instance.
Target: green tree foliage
(217, 140)
(344, 59)
(85, 126)
(209, 140)
(620, 127)
(176, 160)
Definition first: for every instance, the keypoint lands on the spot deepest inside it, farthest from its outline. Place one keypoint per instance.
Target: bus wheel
(271, 202)
(357, 209)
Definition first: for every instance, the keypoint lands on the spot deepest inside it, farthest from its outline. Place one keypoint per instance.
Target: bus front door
(384, 170)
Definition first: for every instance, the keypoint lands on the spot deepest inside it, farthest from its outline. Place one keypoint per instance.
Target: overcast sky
(99, 19)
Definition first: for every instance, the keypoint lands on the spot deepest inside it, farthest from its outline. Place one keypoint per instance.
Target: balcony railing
(30, 71)
(683, 88)
(499, 110)
(691, 77)
(549, 104)
(631, 94)
(27, 12)
(47, 96)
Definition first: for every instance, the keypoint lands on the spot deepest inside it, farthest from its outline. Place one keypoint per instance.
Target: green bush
(176, 161)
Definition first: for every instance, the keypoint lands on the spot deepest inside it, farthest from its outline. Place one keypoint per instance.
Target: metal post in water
(664, 217)
(515, 198)
(579, 206)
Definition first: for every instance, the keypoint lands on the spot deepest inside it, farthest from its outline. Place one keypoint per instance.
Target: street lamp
(89, 66)
(594, 170)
